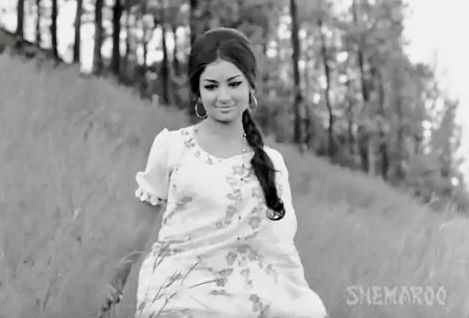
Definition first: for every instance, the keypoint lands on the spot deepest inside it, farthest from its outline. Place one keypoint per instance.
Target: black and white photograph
(234, 159)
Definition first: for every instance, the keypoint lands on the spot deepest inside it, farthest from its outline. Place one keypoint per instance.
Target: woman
(225, 247)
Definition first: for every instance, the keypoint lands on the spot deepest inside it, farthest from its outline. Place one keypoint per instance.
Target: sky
(436, 31)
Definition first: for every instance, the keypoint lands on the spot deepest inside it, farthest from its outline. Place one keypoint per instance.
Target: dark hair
(233, 46)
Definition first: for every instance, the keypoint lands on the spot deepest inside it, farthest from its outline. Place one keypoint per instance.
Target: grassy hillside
(69, 150)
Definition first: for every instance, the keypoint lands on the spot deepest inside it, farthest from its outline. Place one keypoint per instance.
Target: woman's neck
(230, 131)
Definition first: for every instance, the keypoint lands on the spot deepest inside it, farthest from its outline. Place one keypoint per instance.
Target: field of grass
(69, 150)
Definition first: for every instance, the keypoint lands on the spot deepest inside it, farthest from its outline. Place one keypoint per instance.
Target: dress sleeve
(153, 182)
(284, 189)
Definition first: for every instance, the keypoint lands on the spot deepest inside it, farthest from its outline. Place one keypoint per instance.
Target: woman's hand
(113, 291)
(112, 295)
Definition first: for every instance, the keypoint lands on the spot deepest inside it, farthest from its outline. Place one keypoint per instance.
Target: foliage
(70, 148)
(359, 99)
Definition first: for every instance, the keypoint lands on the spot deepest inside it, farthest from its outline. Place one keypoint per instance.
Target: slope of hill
(69, 149)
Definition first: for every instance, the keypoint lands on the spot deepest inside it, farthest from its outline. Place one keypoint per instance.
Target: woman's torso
(216, 235)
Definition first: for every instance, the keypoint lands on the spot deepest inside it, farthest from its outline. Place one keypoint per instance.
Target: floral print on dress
(191, 143)
(244, 255)
(230, 212)
(225, 266)
(220, 275)
(258, 306)
(180, 206)
(238, 172)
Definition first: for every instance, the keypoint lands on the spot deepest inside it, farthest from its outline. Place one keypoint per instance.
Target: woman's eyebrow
(214, 81)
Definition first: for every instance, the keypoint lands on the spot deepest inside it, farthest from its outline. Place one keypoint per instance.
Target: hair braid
(263, 168)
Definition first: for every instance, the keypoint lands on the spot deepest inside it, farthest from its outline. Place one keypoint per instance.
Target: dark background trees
(334, 80)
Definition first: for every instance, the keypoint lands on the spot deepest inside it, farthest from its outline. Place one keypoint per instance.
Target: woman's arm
(146, 210)
(147, 219)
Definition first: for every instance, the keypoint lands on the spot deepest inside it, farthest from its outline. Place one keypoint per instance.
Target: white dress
(217, 253)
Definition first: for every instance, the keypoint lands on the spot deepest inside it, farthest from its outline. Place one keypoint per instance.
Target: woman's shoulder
(274, 154)
(167, 139)
(272, 151)
(181, 131)
(174, 134)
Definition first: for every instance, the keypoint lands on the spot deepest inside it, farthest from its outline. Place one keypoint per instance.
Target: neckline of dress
(209, 155)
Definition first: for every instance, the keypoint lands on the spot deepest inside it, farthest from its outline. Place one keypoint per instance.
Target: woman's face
(224, 91)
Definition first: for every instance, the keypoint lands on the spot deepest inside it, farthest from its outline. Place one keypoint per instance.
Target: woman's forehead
(221, 70)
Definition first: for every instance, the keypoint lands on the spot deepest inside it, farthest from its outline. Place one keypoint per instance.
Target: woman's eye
(235, 84)
(210, 87)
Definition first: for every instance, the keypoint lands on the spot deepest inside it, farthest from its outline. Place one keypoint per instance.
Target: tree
(196, 20)
(446, 142)
(128, 31)
(365, 138)
(298, 98)
(20, 23)
(165, 63)
(434, 174)
(116, 30)
(53, 28)
(98, 37)
(192, 19)
(77, 41)
(327, 74)
(374, 38)
(38, 23)
(176, 63)
(146, 32)
(316, 24)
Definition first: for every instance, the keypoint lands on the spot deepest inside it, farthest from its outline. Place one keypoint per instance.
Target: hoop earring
(196, 110)
(254, 100)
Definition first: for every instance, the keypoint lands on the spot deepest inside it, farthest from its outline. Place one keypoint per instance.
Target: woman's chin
(225, 118)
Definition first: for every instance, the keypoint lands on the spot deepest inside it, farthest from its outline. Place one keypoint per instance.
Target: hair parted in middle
(233, 46)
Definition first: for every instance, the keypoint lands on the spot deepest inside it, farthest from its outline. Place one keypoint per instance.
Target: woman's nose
(223, 94)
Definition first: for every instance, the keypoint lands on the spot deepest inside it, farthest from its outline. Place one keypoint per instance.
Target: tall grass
(69, 149)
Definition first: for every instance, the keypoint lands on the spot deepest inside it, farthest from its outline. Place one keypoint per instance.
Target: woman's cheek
(207, 99)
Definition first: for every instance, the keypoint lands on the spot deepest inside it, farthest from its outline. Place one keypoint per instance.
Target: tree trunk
(98, 37)
(365, 144)
(77, 41)
(350, 135)
(193, 20)
(400, 173)
(330, 130)
(308, 128)
(175, 52)
(116, 31)
(145, 35)
(383, 148)
(53, 29)
(164, 63)
(363, 139)
(20, 23)
(371, 158)
(38, 23)
(297, 136)
(144, 42)
(127, 39)
(364, 90)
